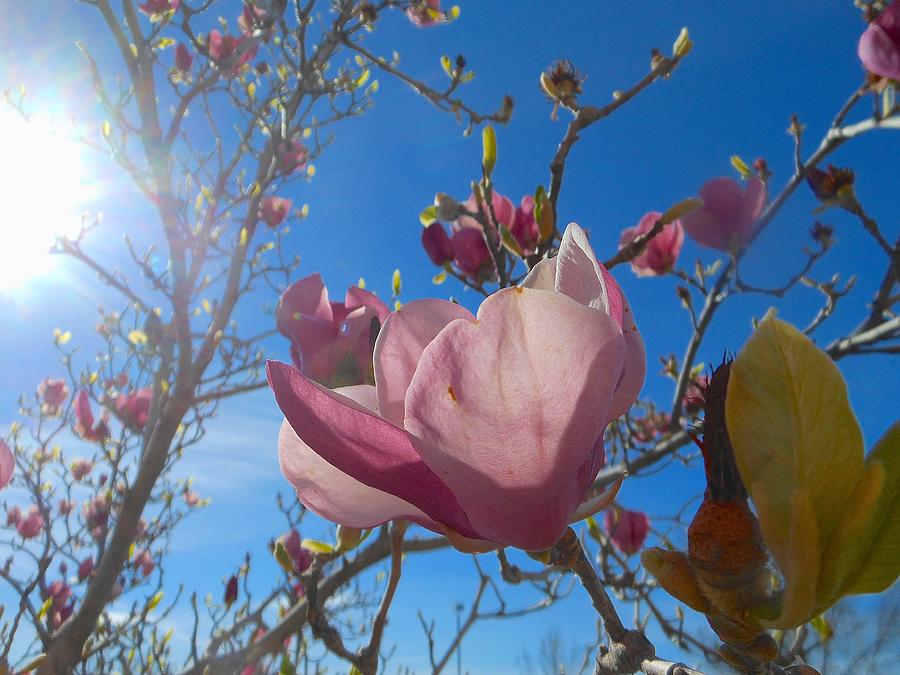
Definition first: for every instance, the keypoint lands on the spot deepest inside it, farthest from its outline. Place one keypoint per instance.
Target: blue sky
(754, 63)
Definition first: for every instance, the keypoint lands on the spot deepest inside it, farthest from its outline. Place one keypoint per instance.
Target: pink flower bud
(694, 394)
(32, 524)
(627, 529)
(879, 45)
(65, 507)
(191, 498)
(725, 220)
(81, 468)
(85, 568)
(273, 210)
(13, 516)
(525, 228)
(183, 58)
(252, 17)
(471, 254)
(228, 52)
(159, 6)
(231, 590)
(53, 392)
(437, 244)
(301, 558)
(661, 252)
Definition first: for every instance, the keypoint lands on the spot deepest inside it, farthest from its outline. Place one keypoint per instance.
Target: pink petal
(331, 493)
(358, 297)
(400, 344)
(7, 464)
(598, 502)
(878, 53)
(511, 409)
(306, 297)
(635, 369)
(362, 445)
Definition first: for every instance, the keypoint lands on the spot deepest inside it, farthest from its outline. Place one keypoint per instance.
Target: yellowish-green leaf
(454, 13)
(740, 166)
(396, 282)
(682, 44)
(154, 601)
(822, 627)
(428, 215)
(207, 307)
(251, 90)
(311, 170)
(317, 546)
(439, 278)
(682, 208)
(363, 78)
(864, 554)
(35, 662)
(137, 337)
(61, 337)
(162, 43)
(447, 65)
(107, 129)
(361, 283)
(45, 607)
(489, 149)
(245, 236)
(509, 241)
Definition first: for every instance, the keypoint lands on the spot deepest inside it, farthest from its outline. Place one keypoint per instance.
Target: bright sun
(43, 190)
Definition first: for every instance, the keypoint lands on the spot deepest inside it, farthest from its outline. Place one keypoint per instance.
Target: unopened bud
(348, 538)
(447, 207)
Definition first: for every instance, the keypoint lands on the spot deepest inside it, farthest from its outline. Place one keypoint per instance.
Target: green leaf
(792, 429)
(316, 546)
(154, 601)
(740, 166)
(396, 283)
(868, 540)
(428, 215)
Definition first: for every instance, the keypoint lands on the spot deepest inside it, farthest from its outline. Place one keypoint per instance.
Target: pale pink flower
(424, 13)
(159, 6)
(331, 342)
(879, 45)
(525, 228)
(81, 468)
(84, 420)
(7, 464)
(273, 210)
(661, 252)
(143, 560)
(191, 498)
(134, 408)
(53, 392)
(292, 156)
(301, 557)
(31, 524)
(627, 529)
(487, 429)
(725, 220)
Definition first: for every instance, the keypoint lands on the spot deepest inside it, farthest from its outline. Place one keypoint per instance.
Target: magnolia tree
(423, 426)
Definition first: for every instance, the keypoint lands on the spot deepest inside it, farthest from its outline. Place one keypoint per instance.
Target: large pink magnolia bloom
(331, 342)
(7, 464)
(491, 427)
(661, 252)
(725, 220)
(879, 45)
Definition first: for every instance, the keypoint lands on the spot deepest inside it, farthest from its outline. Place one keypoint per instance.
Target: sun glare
(43, 190)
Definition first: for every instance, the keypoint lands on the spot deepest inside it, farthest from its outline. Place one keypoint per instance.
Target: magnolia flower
(81, 468)
(65, 506)
(13, 515)
(159, 6)
(231, 590)
(134, 408)
(879, 45)
(7, 464)
(331, 342)
(84, 420)
(252, 17)
(437, 244)
(60, 608)
(661, 252)
(627, 529)
(85, 568)
(292, 156)
(301, 558)
(471, 255)
(525, 228)
(183, 58)
(273, 210)
(225, 49)
(489, 429)
(31, 524)
(725, 220)
(424, 13)
(143, 561)
(53, 392)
